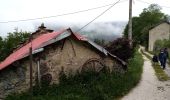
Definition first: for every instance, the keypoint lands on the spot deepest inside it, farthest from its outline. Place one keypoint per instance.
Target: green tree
(141, 25)
(100, 42)
(11, 41)
(161, 44)
(167, 17)
(1, 48)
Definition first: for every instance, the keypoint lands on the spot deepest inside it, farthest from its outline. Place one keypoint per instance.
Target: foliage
(99, 42)
(161, 44)
(89, 85)
(167, 17)
(161, 75)
(121, 48)
(141, 25)
(1, 47)
(12, 40)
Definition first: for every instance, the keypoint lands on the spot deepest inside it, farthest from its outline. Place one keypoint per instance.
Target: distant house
(53, 52)
(158, 32)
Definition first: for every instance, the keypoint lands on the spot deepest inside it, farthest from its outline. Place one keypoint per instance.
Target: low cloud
(107, 31)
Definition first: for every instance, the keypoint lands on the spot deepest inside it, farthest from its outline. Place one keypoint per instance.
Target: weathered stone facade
(68, 55)
(159, 32)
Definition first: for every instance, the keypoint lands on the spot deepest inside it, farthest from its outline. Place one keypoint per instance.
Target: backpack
(155, 58)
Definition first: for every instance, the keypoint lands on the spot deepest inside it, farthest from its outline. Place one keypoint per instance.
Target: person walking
(166, 53)
(162, 58)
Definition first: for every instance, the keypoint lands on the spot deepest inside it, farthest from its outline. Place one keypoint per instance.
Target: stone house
(158, 32)
(53, 52)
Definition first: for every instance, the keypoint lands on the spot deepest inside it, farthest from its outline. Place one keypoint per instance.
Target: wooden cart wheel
(92, 64)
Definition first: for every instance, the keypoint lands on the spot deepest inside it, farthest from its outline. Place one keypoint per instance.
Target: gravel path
(167, 70)
(149, 88)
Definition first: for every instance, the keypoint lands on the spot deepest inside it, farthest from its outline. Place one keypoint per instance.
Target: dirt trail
(149, 88)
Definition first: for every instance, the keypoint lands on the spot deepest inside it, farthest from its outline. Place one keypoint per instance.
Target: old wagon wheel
(92, 64)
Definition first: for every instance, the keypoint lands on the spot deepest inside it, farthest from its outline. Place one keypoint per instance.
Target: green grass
(90, 85)
(168, 62)
(151, 52)
(161, 75)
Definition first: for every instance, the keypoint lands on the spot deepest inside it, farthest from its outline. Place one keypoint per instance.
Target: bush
(121, 48)
(161, 44)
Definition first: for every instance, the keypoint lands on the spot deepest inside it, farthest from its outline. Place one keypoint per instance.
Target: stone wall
(11, 79)
(68, 55)
(160, 32)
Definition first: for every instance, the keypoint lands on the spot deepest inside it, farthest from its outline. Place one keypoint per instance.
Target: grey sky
(26, 9)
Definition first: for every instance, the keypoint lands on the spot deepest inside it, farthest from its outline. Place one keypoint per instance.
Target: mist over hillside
(107, 31)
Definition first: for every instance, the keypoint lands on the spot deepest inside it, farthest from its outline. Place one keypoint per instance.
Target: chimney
(41, 30)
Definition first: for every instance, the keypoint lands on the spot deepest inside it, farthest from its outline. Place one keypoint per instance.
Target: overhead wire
(97, 16)
(70, 13)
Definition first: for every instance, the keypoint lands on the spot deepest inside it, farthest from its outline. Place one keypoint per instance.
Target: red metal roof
(24, 51)
(42, 41)
(80, 37)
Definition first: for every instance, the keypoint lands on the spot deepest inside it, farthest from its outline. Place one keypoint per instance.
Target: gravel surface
(167, 70)
(149, 88)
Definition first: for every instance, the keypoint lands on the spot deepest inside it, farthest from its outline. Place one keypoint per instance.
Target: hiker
(162, 58)
(166, 54)
(155, 59)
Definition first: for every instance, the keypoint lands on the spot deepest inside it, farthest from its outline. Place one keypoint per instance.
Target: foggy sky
(27, 9)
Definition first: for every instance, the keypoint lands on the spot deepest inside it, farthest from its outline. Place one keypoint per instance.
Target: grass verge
(168, 62)
(161, 75)
(90, 86)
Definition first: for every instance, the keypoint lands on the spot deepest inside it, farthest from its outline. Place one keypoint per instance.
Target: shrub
(121, 48)
(160, 44)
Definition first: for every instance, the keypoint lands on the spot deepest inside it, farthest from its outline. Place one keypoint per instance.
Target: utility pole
(38, 72)
(130, 24)
(31, 57)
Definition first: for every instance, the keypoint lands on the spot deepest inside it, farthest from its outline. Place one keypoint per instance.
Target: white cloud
(26, 9)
